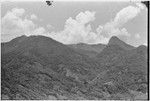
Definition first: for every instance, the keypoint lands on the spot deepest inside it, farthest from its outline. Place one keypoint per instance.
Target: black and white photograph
(75, 50)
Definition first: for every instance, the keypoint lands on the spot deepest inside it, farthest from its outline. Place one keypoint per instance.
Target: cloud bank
(76, 30)
(15, 23)
(79, 29)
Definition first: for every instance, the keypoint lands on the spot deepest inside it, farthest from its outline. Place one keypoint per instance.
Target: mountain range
(38, 67)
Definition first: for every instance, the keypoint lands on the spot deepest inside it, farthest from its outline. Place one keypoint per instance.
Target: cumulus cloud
(140, 5)
(34, 17)
(137, 36)
(126, 14)
(85, 17)
(37, 31)
(14, 23)
(99, 29)
(17, 12)
(145, 44)
(78, 30)
(114, 27)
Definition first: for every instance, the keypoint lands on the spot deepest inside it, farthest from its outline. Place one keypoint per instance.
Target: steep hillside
(39, 67)
(34, 63)
(116, 41)
(123, 67)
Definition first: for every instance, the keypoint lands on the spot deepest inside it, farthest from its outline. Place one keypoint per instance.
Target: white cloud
(109, 30)
(125, 15)
(78, 30)
(137, 36)
(75, 30)
(85, 17)
(145, 44)
(17, 11)
(99, 29)
(37, 31)
(114, 27)
(140, 5)
(120, 32)
(15, 24)
(33, 17)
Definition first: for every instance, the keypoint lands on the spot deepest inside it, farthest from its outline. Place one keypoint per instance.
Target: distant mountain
(120, 52)
(124, 65)
(90, 50)
(38, 61)
(38, 67)
(116, 41)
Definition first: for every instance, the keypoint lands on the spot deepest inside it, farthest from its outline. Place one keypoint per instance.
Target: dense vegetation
(39, 67)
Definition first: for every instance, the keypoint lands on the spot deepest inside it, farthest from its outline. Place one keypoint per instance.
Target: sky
(75, 22)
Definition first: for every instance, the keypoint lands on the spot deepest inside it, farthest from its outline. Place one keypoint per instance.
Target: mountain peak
(114, 40)
(142, 48)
